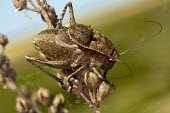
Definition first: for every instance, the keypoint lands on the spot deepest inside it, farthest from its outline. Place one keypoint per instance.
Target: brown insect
(75, 47)
(81, 53)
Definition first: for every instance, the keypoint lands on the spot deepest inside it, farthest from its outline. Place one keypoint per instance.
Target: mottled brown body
(56, 45)
(89, 38)
(75, 47)
(80, 52)
(95, 45)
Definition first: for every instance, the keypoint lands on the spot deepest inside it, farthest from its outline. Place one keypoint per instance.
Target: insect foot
(87, 85)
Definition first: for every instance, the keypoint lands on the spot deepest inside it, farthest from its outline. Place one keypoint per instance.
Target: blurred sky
(15, 23)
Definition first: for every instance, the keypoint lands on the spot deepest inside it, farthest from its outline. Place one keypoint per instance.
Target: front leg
(101, 76)
(71, 13)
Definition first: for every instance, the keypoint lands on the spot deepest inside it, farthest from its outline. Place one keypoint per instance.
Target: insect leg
(105, 72)
(75, 72)
(45, 71)
(99, 74)
(55, 64)
(71, 13)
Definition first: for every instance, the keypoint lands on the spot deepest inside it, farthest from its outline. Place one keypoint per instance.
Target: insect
(75, 47)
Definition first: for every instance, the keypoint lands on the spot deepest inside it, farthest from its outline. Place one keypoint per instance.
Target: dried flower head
(20, 4)
(91, 79)
(59, 100)
(57, 105)
(44, 96)
(22, 106)
(103, 90)
(3, 40)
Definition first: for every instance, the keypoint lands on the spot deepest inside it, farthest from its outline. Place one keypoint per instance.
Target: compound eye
(112, 59)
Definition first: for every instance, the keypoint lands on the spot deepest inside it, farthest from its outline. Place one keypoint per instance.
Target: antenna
(130, 72)
(145, 39)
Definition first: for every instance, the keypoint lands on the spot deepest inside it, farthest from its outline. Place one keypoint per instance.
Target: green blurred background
(146, 90)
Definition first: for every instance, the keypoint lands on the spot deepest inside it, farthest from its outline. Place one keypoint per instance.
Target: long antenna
(145, 39)
(130, 72)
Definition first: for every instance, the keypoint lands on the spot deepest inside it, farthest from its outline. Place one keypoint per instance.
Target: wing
(62, 39)
(55, 44)
(89, 38)
(101, 44)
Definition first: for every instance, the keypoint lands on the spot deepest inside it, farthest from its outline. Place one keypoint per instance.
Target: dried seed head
(103, 90)
(91, 79)
(59, 100)
(44, 96)
(57, 105)
(20, 4)
(22, 106)
(3, 40)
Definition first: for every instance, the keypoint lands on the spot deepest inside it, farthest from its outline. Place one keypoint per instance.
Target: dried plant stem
(13, 86)
(46, 17)
(32, 9)
(32, 3)
(44, 10)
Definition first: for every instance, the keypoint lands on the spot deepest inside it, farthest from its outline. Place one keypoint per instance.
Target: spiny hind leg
(71, 14)
(44, 70)
(55, 64)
